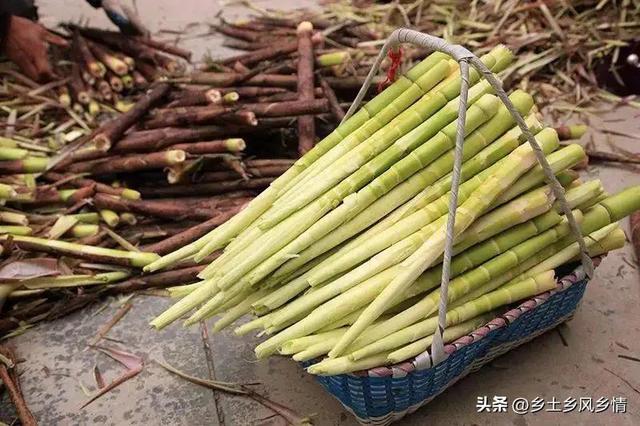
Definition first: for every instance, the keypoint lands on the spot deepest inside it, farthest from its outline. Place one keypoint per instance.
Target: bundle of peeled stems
(102, 68)
(339, 259)
(83, 211)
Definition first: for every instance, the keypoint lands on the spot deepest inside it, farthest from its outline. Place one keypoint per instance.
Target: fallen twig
(132, 363)
(235, 389)
(120, 313)
(11, 382)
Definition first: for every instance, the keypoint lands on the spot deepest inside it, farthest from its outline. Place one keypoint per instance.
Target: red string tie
(396, 60)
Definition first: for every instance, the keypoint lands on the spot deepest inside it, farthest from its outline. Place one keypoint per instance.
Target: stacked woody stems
(306, 123)
(106, 67)
(339, 259)
(312, 69)
(113, 201)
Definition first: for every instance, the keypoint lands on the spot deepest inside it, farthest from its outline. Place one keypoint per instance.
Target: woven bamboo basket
(383, 395)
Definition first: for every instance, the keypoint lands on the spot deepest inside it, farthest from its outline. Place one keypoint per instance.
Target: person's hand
(26, 45)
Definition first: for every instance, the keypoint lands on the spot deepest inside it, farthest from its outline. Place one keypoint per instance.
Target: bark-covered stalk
(138, 79)
(80, 182)
(259, 171)
(195, 97)
(160, 279)
(306, 123)
(113, 131)
(87, 56)
(157, 139)
(213, 188)
(185, 116)
(266, 53)
(169, 209)
(334, 106)
(77, 86)
(129, 163)
(179, 240)
(164, 47)
(115, 82)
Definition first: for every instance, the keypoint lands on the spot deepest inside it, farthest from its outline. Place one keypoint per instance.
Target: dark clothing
(27, 9)
(23, 8)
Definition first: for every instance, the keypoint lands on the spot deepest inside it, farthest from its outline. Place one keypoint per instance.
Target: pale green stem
(403, 193)
(63, 281)
(9, 154)
(413, 228)
(15, 230)
(137, 259)
(371, 117)
(478, 113)
(491, 271)
(302, 194)
(297, 345)
(450, 334)
(529, 287)
(237, 311)
(430, 279)
(182, 290)
(518, 162)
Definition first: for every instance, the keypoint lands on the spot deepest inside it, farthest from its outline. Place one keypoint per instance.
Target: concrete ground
(580, 359)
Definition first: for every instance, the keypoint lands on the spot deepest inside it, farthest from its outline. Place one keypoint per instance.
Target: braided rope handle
(465, 58)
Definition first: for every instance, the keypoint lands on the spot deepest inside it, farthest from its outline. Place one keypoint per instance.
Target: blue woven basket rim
(576, 275)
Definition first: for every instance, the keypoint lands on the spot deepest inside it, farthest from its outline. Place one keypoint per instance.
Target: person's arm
(121, 15)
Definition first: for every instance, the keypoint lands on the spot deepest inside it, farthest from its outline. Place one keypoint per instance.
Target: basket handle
(465, 58)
